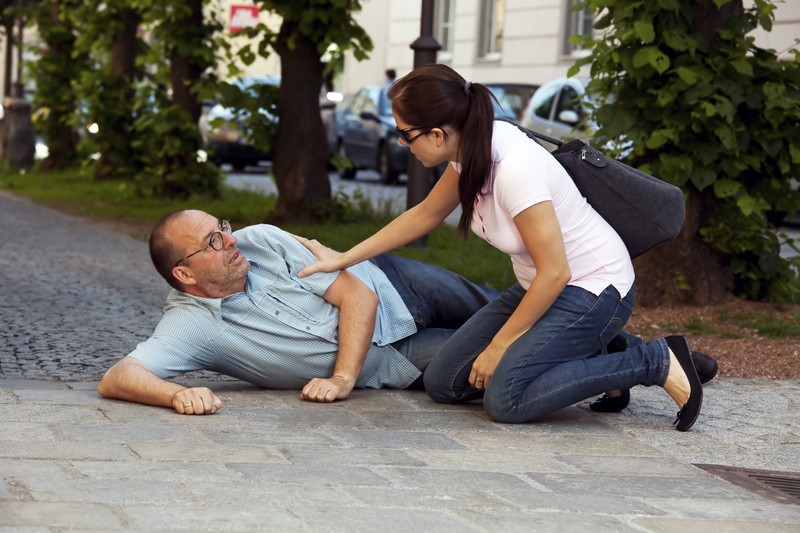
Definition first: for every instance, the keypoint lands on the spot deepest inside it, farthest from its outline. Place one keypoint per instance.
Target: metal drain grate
(782, 487)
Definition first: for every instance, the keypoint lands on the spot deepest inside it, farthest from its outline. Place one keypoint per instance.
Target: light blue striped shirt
(280, 332)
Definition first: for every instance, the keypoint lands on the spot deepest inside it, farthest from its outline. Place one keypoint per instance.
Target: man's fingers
(197, 406)
(318, 390)
(216, 405)
(196, 401)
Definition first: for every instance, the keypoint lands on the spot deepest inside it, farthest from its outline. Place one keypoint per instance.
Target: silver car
(558, 108)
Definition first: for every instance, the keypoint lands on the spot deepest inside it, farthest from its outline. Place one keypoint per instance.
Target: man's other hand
(326, 389)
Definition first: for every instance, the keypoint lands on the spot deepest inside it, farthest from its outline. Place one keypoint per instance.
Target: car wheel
(345, 172)
(388, 175)
(238, 166)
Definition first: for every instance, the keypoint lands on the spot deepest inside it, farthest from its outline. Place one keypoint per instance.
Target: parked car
(557, 109)
(513, 97)
(366, 136)
(223, 130)
(225, 135)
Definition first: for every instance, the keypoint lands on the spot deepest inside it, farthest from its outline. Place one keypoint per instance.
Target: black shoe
(611, 404)
(691, 409)
(705, 365)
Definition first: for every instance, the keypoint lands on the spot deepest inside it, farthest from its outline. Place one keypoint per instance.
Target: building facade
(522, 41)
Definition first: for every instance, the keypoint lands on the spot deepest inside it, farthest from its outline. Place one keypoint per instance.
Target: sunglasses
(408, 140)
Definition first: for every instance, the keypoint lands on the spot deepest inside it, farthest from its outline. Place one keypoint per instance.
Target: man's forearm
(358, 306)
(356, 327)
(131, 381)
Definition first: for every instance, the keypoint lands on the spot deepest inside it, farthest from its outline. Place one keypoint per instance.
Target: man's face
(206, 270)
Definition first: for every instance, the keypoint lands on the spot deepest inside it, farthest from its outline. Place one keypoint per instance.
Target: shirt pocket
(303, 307)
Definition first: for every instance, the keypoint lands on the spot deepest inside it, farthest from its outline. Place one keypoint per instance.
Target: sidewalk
(74, 297)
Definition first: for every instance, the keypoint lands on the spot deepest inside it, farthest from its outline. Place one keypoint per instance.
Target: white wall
(261, 66)
(785, 28)
(531, 46)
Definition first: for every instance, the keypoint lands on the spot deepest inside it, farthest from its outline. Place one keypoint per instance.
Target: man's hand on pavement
(327, 389)
(196, 401)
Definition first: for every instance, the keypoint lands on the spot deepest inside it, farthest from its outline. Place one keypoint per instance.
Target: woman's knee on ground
(499, 410)
(438, 389)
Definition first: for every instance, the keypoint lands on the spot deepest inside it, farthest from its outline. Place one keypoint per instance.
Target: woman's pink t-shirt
(525, 174)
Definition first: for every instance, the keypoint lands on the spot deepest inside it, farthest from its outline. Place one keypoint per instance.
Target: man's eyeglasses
(408, 140)
(216, 242)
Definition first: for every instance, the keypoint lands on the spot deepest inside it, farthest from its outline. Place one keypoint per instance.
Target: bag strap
(534, 134)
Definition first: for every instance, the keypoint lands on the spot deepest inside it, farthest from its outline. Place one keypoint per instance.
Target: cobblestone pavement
(75, 297)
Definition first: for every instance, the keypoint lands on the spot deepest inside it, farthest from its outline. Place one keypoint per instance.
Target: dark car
(366, 136)
(225, 132)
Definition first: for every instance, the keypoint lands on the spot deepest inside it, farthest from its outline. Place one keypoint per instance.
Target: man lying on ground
(238, 308)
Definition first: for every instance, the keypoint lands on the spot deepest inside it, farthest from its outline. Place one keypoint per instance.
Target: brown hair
(163, 253)
(436, 95)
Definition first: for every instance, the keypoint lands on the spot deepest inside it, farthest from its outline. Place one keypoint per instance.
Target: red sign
(242, 17)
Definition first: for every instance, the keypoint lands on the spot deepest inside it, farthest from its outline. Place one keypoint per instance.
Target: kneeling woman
(533, 350)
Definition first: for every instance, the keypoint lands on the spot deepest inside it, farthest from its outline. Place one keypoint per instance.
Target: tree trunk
(184, 72)
(119, 130)
(299, 149)
(63, 140)
(684, 270)
(9, 56)
(708, 19)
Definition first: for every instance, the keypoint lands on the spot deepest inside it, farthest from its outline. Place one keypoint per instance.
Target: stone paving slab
(251, 469)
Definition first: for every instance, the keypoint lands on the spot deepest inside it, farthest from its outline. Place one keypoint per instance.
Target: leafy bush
(707, 110)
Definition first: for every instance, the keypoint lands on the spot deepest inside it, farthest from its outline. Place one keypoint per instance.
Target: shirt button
(308, 328)
(277, 312)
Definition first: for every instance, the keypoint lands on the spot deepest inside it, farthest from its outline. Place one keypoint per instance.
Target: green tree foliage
(139, 70)
(708, 110)
(309, 31)
(56, 98)
(107, 34)
(182, 54)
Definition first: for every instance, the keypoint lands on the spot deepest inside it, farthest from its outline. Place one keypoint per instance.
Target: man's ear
(184, 275)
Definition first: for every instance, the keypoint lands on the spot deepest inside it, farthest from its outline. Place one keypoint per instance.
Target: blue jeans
(440, 302)
(557, 363)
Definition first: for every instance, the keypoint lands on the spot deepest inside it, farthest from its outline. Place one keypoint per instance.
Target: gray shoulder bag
(644, 211)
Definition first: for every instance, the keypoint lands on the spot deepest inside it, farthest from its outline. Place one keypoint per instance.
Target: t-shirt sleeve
(521, 182)
(177, 346)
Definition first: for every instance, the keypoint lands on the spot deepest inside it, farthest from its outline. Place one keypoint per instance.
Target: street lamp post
(425, 48)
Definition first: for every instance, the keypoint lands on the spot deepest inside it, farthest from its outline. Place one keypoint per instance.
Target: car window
(543, 101)
(359, 101)
(569, 99)
(515, 101)
(501, 104)
(370, 101)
